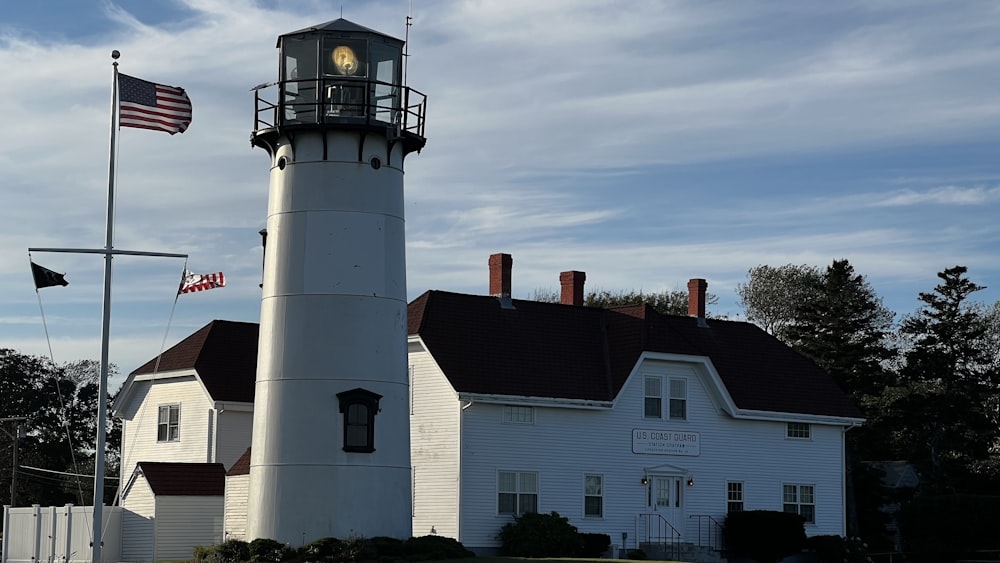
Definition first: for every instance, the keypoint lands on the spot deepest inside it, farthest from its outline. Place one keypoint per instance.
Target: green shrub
(593, 546)
(354, 548)
(837, 549)
(263, 550)
(229, 551)
(637, 555)
(765, 536)
(539, 535)
(203, 552)
(386, 547)
(425, 548)
(323, 549)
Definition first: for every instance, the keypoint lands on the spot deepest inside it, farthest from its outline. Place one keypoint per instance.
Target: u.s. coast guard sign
(665, 442)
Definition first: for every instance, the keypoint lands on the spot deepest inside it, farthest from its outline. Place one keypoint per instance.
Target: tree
(843, 326)
(59, 432)
(772, 295)
(665, 302)
(945, 405)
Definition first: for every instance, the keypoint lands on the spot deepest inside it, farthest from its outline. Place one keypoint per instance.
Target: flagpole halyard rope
(62, 402)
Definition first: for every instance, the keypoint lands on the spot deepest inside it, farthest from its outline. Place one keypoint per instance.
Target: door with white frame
(664, 503)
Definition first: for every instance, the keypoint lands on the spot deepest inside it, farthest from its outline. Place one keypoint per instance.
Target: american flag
(192, 282)
(146, 105)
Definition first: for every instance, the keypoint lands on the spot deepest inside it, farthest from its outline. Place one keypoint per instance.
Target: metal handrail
(713, 533)
(675, 534)
(276, 105)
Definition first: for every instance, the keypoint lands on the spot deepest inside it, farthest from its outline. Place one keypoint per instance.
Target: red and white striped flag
(146, 105)
(192, 282)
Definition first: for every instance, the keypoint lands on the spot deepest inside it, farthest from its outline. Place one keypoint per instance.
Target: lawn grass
(553, 559)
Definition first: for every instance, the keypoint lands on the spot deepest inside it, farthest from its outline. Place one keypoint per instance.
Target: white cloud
(943, 195)
(558, 131)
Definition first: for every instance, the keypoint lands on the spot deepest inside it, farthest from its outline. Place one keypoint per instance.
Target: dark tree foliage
(843, 326)
(60, 429)
(666, 302)
(943, 411)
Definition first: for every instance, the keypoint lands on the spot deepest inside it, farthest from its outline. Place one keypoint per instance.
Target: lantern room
(340, 74)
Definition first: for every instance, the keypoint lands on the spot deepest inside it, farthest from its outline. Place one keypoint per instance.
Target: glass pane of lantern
(345, 58)
(299, 70)
(385, 59)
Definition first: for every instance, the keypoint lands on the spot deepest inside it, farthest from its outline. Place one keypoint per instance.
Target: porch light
(690, 481)
(644, 481)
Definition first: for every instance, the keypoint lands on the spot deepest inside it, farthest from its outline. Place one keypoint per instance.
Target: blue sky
(643, 143)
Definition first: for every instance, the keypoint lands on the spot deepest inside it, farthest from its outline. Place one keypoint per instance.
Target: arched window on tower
(359, 407)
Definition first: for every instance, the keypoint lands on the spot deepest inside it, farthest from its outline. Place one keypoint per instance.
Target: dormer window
(359, 407)
(168, 424)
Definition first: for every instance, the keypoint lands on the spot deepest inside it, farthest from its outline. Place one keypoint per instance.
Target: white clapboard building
(642, 426)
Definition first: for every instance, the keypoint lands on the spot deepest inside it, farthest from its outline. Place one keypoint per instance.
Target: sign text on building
(665, 442)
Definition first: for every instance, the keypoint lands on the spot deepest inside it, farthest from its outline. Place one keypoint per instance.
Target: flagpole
(102, 395)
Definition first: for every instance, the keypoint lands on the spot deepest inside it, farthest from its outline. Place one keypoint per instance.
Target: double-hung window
(653, 397)
(678, 399)
(593, 495)
(359, 407)
(800, 499)
(734, 496)
(168, 426)
(517, 492)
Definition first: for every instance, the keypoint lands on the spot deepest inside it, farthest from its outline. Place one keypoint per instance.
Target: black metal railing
(339, 100)
(662, 533)
(710, 533)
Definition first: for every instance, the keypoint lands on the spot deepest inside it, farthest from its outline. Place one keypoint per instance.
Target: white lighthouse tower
(330, 450)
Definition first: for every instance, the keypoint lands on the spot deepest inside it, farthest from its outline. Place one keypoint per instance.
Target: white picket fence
(58, 534)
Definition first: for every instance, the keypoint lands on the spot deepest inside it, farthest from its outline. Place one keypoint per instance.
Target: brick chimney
(572, 287)
(696, 297)
(500, 266)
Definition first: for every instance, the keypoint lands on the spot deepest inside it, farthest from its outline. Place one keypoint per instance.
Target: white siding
(237, 491)
(140, 424)
(233, 430)
(564, 444)
(433, 448)
(185, 522)
(138, 532)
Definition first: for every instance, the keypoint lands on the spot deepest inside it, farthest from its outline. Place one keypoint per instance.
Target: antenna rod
(406, 42)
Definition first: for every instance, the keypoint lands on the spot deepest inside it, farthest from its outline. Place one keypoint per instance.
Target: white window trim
(742, 499)
(517, 492)
(788, 431)
(670, 397)
(159, 409)
(601, 495)
(509, 410)
(645, 379)
(798, 499)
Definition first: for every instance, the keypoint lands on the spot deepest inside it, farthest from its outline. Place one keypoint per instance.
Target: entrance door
(666, 498)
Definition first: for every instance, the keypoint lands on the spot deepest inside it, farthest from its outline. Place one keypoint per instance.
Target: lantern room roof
(338, 25)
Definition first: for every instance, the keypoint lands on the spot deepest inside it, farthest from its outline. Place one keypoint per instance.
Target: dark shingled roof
(339, 25)
(242, 465)
(561, 351)
(184, 479)
(224, 353)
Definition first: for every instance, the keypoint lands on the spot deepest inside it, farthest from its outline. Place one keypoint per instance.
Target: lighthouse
(330, 450)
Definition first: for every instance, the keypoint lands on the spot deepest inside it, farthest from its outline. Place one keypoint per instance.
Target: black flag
(45, 277)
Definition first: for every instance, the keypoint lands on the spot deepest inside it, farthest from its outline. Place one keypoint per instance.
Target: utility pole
(16, 438)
